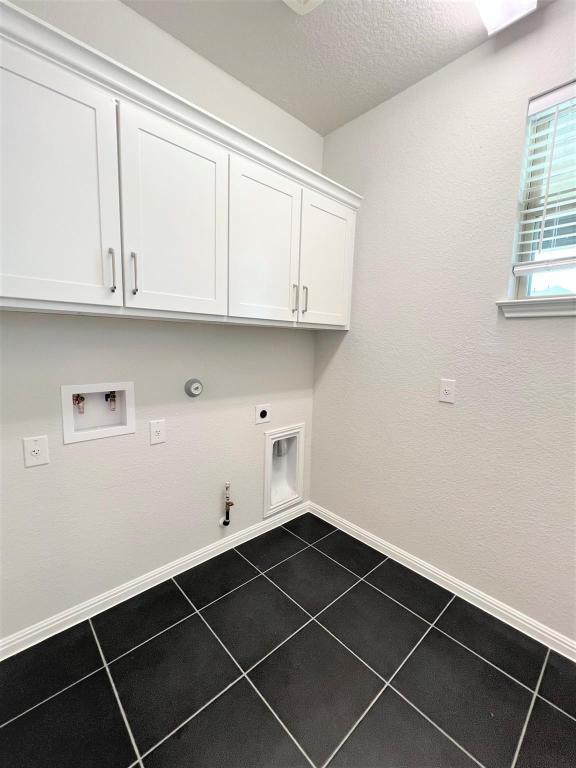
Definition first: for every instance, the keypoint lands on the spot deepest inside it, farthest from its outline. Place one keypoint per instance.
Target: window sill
(550, 306)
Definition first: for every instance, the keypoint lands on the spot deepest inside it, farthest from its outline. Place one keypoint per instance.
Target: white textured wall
(106, 511)
(484, 489)
(124, 35)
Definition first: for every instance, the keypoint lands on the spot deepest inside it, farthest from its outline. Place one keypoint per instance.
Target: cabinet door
(60, 212)
(326, 255)
(175, 211)
(264, 242)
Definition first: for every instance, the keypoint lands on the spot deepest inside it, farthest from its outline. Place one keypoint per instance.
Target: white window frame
(519, 305)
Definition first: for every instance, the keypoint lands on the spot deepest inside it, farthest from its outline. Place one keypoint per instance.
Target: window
(545, 246)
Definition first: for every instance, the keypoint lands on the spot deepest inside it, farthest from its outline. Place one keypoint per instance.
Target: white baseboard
(549, 637)
(61, 621)
(23, 639)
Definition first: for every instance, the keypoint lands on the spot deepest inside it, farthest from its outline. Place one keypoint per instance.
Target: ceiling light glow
(302, 7)
(498, 14)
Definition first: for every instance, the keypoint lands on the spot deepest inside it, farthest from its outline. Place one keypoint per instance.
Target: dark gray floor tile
(215, 577)
(253, 619)
(133, 621)
(317, 688)
(559, 683)
(82, 726)
(312, 579)
(38, 672)
(509, 649)
(237, 730)
(268, 549)
(350, 552)
(409, 588)
(166, 680)
(478, 706)
(309, 527)
(380, 631)
(394, 735)
(550, 740)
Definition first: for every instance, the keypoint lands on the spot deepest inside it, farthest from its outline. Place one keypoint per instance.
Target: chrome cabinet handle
(295, 297)
(135, 258)
(113, 286)
(306, 292)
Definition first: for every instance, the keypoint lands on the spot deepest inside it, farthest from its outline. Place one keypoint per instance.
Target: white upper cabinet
(264, 242)
(119, 198)
(60, 215)
(326, 254)
(175, 215)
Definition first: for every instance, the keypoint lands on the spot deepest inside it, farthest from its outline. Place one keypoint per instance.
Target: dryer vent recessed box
(93, 411)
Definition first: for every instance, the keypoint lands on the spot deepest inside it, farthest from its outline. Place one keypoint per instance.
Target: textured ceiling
(332, 65)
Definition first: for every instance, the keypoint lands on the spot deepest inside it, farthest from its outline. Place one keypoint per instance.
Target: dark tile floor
(301, 647)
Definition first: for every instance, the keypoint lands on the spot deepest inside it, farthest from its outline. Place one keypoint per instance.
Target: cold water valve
(228, 503)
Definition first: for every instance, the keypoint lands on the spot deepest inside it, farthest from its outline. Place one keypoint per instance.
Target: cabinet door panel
(264, 242)
(175, 210)
(60, 208)
(326, 254)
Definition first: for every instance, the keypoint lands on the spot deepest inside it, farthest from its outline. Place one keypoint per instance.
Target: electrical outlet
(36, 451)
(262, 413)
(447, 391)
(157, 431)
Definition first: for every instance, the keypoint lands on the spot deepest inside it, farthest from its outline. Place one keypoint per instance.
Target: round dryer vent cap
(193, 387)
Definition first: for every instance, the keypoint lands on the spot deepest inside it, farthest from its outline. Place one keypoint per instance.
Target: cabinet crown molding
(26, 30)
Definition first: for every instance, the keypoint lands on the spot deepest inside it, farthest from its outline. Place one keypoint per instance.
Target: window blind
(546, 233)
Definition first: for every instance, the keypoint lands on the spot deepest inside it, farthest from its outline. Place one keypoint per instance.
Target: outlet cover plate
(36, 451)
(157, 431)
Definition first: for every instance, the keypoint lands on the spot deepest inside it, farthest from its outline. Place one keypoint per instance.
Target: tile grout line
(354, 726)
(217, 696)
(430, 628)
(359, 579)
(487, 661)
(253, 578)
(418, 616)
(276, 647)
(438, 728)
(152, 637)
(191, 717)
(310, 543)
(562, 711)
(529, 713)
(166, 629)
(249, 681)
(451, 637)
(387, 683)
(265, 574)
(259, 693)
(276, 585)
(312, 618)
(123, 713)
(52, 696)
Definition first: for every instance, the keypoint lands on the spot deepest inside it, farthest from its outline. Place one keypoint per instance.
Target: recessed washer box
(93, 411)
(283, 468)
